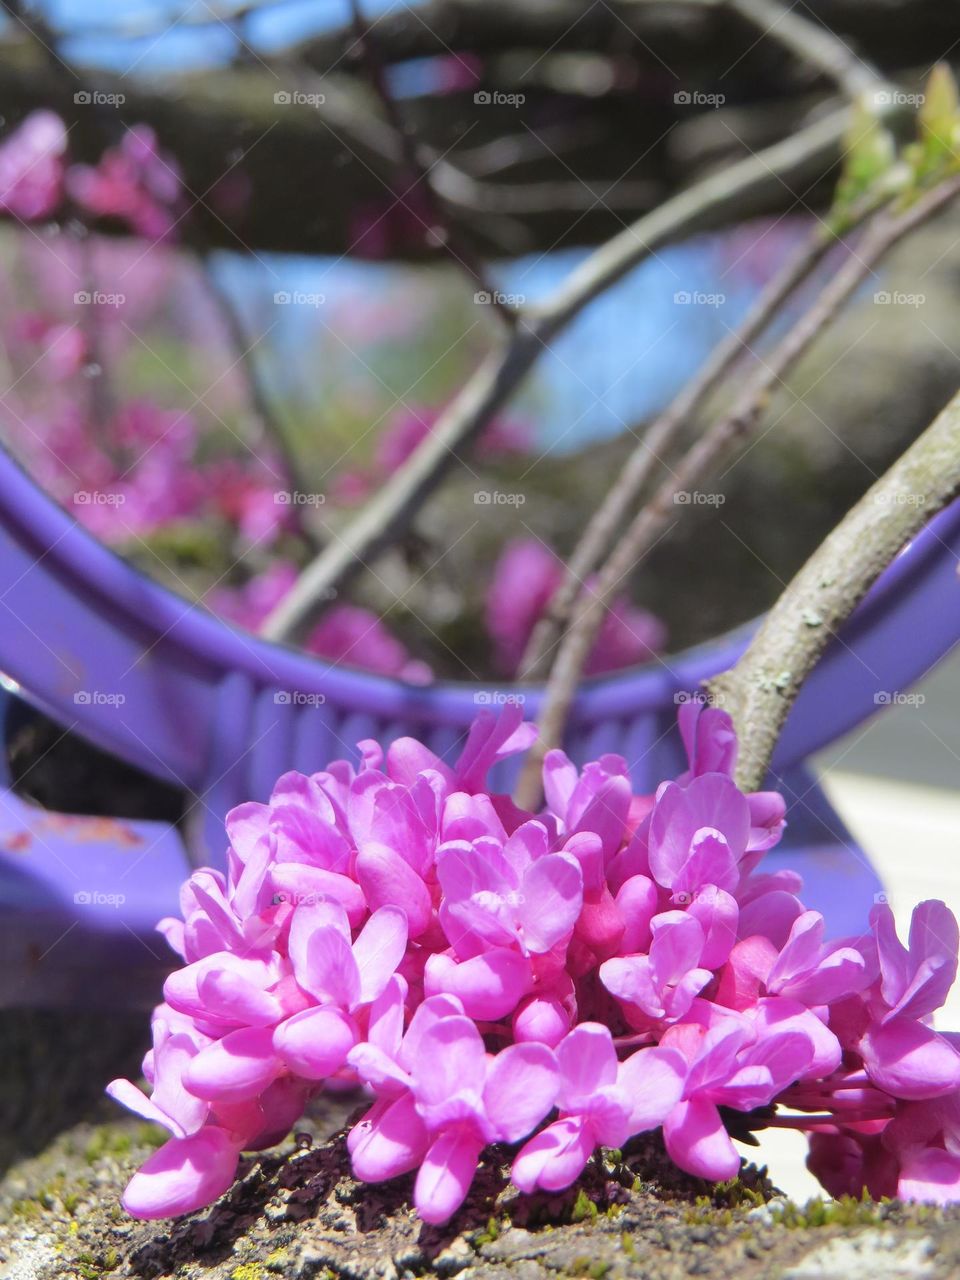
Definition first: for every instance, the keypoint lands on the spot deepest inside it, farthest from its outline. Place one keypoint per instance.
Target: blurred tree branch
(700, 463)
(395, 505)
(625, 144)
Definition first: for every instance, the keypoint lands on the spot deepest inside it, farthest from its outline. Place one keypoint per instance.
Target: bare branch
(813, 44)
(396, 504)
(417, 176)
(656, 442)
(760, 690)
(701, 462)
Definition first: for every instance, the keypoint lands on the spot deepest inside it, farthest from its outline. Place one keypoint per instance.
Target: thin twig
(657, 440)
(699, 463)
(760, 690)
(499, 376)
(812, 43)
(444, 232)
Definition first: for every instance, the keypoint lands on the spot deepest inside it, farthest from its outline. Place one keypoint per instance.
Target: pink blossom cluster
(134, 181)
(555, 981)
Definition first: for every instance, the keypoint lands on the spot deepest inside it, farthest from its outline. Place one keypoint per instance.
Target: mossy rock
(296, 1212)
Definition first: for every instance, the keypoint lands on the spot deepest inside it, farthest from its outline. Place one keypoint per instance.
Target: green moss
(249, 1271)
(583, 1209)
(491, 1232)
(277, 1261)
(108, 1141)
(847, 1211)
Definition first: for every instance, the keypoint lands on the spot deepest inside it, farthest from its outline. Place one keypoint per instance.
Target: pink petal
(240, 1065)
(778, 1014)
(227, 994)
(910, 1060)
(315, 1042)
(303, 885)
(385, 1024)
(632, 980)
(697, 1141)
(541, 1020)
(772, 915)
(554, 1158)
(390, 1140)
(767, 820)
(677, 945)
(931, 1176)
(387, 880)
(552, 898)
(559, 780)
(520, 1089)
(711, 862)
(135, 1100)
(451, 1061)
(718, 915)
(323, 961)
(379, 949)
(587, 1062)
(446, 1174)
(183, 1175)
(489, 986)
(637, 900)
(654, 1081)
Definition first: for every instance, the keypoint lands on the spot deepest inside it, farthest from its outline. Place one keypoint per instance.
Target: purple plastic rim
(77, 618)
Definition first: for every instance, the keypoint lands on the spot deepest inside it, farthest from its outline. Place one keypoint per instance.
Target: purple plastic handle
(167, 686)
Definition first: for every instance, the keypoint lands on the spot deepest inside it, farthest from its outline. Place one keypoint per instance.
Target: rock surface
(296, 1212)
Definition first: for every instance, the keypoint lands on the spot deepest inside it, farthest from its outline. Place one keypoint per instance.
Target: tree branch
(416, 174)
(657, 440)
(395, 505)
(700, 463)
(813, 44)
(760, 690)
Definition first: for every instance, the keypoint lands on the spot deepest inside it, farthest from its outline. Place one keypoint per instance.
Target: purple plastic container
(165, 685)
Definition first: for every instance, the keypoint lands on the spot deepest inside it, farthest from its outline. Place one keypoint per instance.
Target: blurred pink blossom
(134, 181)
(524, 581)
(345, 633)
(31, 166)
